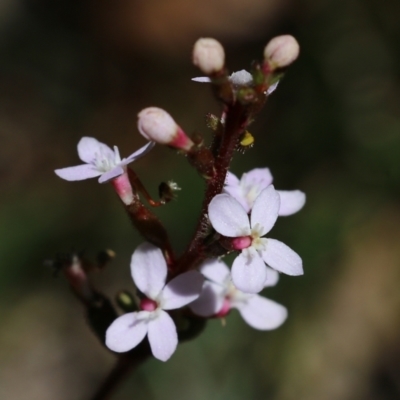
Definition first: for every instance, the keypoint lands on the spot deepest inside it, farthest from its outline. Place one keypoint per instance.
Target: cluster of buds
(235, 217)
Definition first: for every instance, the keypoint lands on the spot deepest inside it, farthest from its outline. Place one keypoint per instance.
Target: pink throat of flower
(241, 243)
(226, 307)
(148, 304)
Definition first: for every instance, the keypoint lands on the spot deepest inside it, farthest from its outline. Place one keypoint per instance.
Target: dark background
(86, 68)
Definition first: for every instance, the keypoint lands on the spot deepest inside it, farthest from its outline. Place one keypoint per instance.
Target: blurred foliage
(332, 129)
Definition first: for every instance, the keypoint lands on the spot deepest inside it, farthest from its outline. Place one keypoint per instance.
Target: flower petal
(149, 269)
(272, 277)
(261, 313)
(249, 272)
(231, 179)
(162, 336)
(182, 290)
(116, 171)
(259, 177)
(139, 153)
(228, 217)
(215, 270)
(237, 193)
(126, 332)
(265, 209)
(282, 258)
(291, 201)
(89, 147)
(202, 79)
(241, 78)
(210, 300)
(78, 173)
(272, 88)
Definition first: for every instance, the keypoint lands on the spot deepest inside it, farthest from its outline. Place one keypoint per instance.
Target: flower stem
(237, 118)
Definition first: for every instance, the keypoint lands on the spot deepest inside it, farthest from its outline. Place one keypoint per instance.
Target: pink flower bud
(208, 55)
(281, 51)
(157, 125)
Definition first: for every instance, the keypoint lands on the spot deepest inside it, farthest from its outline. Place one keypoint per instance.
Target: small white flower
(149, 272)
(99, 160)
(230, 219)
(220, 295)
(238, 79)
(251, 184)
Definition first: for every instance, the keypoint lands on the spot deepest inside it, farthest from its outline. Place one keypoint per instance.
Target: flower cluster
(237, 214)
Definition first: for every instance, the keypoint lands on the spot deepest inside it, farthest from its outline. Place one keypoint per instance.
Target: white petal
(182, 290)
(89, 147)
(139, 153)
(228, 217)
(237, 193)
(149, 269)
(249, 272)
(265, 209)
(241, 78)
(116, 171)
(272, 88)
(282, 258)
(215, 270)
(272, 277)
(260, 177)
(210, 301)
(126, 332)
(261, 313)
(78, 173)
(291, 201)
(162, 336)
(203, 79)
(231, 179)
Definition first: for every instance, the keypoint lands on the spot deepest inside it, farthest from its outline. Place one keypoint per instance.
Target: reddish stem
(235, 124)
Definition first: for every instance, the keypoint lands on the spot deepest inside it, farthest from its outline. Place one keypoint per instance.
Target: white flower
(230, 219)
(220, 295)
(238, 79)
(149, 272)
(250, 185)
(99, 160)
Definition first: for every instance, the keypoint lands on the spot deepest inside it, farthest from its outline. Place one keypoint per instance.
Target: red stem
(236, 121)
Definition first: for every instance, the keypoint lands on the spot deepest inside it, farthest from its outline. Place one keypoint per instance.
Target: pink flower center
(241, 243)
(226, 307)
(148, 304)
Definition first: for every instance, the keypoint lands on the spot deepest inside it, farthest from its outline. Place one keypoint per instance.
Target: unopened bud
(157, 125)
(208, 55)
(281, 51)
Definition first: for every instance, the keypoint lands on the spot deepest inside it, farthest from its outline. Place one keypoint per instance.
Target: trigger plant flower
(220, 295)
(230, 219)
(246, 189)
(149, 272)
(100, 160)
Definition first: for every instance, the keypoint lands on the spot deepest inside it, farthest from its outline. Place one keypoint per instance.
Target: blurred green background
(332, 129)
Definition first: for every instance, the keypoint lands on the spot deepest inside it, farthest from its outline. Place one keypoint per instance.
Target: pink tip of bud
(208, 55)
(241, 243)
(281, 51)
(157, 125)
(148, 304)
